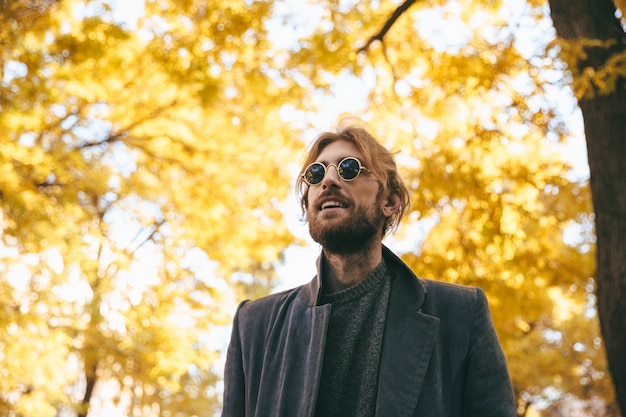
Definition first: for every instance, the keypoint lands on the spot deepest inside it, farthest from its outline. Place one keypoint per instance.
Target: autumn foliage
(146, 163)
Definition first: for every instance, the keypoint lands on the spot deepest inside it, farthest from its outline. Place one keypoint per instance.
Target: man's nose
(332, 175)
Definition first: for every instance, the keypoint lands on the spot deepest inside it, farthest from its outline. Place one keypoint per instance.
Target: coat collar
(408, 343)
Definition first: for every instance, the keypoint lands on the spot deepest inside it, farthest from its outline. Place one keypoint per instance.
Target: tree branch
(388, 24)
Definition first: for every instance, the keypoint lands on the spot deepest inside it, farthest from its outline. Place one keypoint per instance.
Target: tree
(594, 46)
(141, 175)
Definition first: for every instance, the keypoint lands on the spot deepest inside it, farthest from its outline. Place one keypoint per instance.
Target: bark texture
(605, 128)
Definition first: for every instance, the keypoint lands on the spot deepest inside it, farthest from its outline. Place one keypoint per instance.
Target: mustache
(332, 194)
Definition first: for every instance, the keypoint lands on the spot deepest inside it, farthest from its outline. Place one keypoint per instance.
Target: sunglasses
(348, 169)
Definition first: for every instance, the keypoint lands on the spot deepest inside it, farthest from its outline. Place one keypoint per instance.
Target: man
(365, 337)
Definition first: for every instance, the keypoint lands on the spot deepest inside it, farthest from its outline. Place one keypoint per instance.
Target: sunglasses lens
(349, 168)
(314, 173)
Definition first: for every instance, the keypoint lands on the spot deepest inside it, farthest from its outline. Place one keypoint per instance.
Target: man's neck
(342, 271)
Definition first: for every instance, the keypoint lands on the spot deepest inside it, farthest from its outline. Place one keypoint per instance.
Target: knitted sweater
(354, 338)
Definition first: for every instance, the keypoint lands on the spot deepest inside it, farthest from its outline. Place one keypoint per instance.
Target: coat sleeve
(234, 403)
(488, 389)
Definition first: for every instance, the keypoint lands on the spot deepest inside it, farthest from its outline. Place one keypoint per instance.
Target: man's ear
(391, 204)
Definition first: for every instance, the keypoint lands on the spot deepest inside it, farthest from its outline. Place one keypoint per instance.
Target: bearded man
(365, 337)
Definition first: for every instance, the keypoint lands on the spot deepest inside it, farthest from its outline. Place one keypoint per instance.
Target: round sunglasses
(348, 169)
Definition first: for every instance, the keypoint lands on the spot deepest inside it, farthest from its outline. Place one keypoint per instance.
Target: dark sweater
(353, 346)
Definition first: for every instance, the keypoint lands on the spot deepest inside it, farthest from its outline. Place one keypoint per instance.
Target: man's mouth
(332, 205)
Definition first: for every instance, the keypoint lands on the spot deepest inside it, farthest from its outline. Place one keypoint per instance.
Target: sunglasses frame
(326, 167)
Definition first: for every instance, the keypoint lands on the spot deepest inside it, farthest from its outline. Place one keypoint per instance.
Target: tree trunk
(605, 128)
(91, 378)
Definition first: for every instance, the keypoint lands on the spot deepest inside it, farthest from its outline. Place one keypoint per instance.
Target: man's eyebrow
(339, 159)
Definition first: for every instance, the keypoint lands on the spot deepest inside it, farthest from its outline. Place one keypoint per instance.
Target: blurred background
(148, 152)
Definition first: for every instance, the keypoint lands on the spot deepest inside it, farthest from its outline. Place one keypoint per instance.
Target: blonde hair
(378, 160)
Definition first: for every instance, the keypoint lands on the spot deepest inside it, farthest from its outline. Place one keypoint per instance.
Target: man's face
(344, 215)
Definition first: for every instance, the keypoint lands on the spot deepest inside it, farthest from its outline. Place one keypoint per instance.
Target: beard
(350, 235)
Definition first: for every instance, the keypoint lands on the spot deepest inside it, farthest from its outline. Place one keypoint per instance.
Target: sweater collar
(311, 292)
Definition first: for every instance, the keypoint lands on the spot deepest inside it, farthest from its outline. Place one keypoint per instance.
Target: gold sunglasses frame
(326, 167)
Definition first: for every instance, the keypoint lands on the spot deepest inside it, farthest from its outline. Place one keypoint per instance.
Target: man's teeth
(330, 204)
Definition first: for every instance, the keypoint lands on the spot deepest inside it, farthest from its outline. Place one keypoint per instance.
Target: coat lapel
(408, 344)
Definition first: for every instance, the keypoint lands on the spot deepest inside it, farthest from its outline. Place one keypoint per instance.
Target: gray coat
(440, 358)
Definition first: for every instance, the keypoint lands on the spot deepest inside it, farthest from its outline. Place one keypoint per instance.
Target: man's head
(347, 197)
